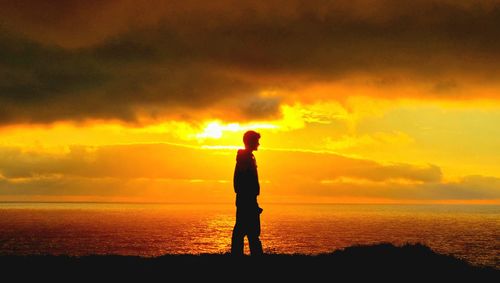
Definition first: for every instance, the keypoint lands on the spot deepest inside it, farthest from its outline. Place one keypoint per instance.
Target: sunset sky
(147, 101)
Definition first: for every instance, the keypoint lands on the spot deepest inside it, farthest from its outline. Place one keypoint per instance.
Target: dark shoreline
(380, 261)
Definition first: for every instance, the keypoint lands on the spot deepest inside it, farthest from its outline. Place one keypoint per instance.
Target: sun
(212, 130)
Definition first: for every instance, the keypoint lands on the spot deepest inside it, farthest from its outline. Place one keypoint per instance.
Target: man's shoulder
(244, 155)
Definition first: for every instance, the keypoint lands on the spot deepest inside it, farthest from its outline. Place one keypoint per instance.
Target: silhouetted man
(247, 188)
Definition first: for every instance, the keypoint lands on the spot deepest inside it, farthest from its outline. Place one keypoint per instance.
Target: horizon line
(232, 203)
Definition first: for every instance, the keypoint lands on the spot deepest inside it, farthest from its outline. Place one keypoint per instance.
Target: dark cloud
(75, 60)
(428, 174)
(335, 166)
(43, 84)
(470, 187)
(482, 188)
(260, 107)
(445, 86)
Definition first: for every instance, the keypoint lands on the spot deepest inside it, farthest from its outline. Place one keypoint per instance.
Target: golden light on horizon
(143, 101)
(306, 136)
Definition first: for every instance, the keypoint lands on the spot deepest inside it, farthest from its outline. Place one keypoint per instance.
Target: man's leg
(238, 237)
(254, 234)
(237, 243)
(255, 245)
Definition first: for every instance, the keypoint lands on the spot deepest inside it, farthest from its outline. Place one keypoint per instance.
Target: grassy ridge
(381, 261)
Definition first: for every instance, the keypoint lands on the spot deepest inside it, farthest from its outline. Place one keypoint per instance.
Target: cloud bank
(128, 61)
(181, 174)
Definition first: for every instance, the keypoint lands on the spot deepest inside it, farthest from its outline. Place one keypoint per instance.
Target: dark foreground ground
(376, 262)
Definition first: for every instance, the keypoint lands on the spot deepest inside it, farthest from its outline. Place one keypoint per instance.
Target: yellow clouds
(145, 172)
(362, 148)
(460, 137)
(357, 144)
(168, 173)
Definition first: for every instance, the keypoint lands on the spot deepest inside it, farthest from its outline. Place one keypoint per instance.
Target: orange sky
(356, 101)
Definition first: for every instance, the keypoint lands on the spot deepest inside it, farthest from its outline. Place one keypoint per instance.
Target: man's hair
(250, 136)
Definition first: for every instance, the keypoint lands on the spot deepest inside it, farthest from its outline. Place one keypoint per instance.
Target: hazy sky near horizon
(356, 101)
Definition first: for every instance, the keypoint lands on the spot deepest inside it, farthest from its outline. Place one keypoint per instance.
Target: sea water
(471, 232)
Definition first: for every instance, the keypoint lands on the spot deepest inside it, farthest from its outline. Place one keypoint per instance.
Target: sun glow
(216, 129)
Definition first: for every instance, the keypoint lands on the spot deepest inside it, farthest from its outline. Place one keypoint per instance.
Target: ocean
(471, 232)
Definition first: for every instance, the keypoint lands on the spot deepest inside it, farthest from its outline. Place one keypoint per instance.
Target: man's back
(246, 179)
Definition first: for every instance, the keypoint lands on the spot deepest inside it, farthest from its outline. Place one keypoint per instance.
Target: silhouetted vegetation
(381, 261)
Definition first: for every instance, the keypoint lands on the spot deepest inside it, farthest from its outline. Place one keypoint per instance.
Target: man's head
(251, 140)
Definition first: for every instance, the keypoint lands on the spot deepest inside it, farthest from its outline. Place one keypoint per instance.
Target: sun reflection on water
(469, 232)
